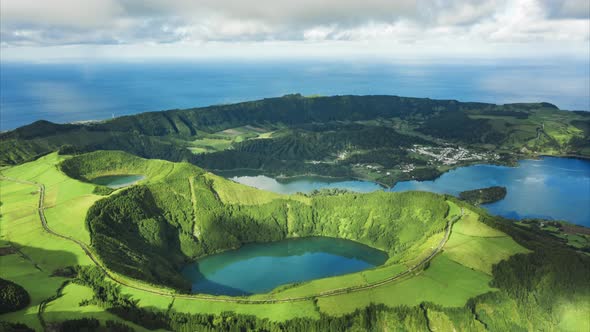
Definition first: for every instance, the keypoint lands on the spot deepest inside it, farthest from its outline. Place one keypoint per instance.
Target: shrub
(13, 297)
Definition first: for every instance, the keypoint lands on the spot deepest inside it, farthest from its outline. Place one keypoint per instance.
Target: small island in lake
(483, 195)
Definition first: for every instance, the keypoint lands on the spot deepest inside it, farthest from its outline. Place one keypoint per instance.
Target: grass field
(65, 307)
(445, 282)
(37, 282)
(451, 279)
(43, 253)
(478, 246)
(460, 272)
(557, 128)
(275, 311)
(244, 195)
(223, 140)
(573, 315)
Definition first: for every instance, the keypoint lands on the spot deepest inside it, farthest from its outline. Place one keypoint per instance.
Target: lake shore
(536, 186)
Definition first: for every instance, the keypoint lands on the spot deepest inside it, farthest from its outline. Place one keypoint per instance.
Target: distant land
(385, 139)
(69, 92)
(101, 220)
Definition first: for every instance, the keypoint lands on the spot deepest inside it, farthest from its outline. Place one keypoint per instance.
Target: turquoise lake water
(259, 268)
(117, 181)
(550, 188)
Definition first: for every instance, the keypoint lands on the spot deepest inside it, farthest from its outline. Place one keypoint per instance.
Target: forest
(554, 273)
(483, 195)
(149, 231)
(328, 136)
(109, 259)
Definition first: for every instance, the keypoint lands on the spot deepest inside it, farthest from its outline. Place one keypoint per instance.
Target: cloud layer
(447, 23)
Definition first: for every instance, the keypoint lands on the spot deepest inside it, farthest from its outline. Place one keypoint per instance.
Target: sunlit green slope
(481, 280)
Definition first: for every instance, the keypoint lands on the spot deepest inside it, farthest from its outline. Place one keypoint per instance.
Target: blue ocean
(93, 91)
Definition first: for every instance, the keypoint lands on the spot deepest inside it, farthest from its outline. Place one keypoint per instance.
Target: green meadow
(466, 268)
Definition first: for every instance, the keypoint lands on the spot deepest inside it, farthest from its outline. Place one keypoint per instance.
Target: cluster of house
(452, 155)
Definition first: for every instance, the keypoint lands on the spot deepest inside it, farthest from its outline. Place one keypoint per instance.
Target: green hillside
(75, 255)
(490, 275)
(150, 230)
(369, 137)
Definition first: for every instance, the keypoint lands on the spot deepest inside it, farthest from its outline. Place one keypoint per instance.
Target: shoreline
(567, 156)
(506, 163)
(290, 178)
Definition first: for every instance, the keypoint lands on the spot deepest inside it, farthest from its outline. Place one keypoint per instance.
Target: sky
(33, 30)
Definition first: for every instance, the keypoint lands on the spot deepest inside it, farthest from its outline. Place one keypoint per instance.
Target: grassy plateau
(464, 269)
(75, 255)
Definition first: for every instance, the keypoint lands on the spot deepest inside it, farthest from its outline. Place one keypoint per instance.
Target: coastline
(289, 178)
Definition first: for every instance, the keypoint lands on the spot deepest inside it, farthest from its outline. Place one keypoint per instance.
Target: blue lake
(259, 268)
(302, 184)
(117, 181)
(551, 188)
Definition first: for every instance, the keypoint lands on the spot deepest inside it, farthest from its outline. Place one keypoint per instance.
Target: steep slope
(149, 230)
(157, 134)
(546, 289)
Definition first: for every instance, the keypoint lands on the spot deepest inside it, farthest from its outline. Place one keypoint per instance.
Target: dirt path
(333, 292)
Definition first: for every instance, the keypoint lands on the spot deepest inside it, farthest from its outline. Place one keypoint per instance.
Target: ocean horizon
(71, 92)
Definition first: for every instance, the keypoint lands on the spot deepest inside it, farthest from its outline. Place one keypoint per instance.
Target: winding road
(333, 292)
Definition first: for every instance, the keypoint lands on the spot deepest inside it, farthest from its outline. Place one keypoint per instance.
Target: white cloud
(449, 25)
(61, 13)
(567, 9)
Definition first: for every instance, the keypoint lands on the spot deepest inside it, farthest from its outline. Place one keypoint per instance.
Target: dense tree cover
(330, 136)
(550, 272)
(457, 126)
(511, 113)
(423, 174)
(483, 195)
(316, 144)
(155, 134)
(104, 292)
(147, 232)
(102, 190)
(66, 272)
(232, 159)
(13, 297)
(575, 236)
(108, 296)
(133, 238)
(388, 157)
(371, 318)
(289, 110)
(82, 324)
(327, 192)
(581, 144)
(535, 285)
(14, 327)
(531, 289)
(83, 139)
(287, 150)
(88, 325)
(68, 149)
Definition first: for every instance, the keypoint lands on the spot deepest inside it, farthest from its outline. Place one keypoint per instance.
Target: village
(451, 155)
